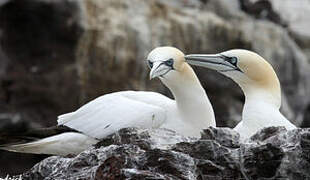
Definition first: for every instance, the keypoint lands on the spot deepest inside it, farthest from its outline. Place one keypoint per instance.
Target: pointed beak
(159, 69)
(216, 62)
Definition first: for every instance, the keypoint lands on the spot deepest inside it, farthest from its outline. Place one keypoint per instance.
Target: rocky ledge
(132, 153)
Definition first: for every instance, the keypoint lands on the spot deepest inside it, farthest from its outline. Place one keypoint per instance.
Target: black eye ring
(233, 60)
(169, 62)
(150, 64)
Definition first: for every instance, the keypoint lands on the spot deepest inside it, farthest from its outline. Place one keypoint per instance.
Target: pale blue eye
(233, 60)
(169, 62)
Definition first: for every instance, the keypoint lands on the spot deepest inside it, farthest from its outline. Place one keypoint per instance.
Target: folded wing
(111, 112)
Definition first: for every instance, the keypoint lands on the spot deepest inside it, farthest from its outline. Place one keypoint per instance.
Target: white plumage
(188, 114)
(61, 144)
(259, 114)
(114, 111)
(259, 83)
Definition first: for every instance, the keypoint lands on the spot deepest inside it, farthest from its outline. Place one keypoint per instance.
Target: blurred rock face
(114, 49)
(57, 55)
(38, 79)
(294, 14)
(39, 39)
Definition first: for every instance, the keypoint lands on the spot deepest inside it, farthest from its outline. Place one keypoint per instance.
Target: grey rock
(224, 136)
(128, 154)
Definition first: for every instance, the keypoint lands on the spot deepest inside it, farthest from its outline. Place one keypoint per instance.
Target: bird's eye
(233, 60)
(150, 63)
(169, 62)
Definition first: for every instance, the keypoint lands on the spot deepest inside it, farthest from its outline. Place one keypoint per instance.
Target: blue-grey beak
(216, 62)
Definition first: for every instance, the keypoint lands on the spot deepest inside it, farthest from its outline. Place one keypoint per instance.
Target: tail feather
(33, 135)
(61, 144)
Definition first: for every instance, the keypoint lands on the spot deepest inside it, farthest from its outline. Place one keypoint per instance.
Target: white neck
(192, 101)
(261, 94)
(260, 105)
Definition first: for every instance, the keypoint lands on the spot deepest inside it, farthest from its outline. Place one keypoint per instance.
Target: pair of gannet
(259, 83)
(188, 114)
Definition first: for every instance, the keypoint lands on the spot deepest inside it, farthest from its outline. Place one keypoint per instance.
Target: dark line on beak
(208, 61)
(159, 66)
(165, 73)
(203, 60)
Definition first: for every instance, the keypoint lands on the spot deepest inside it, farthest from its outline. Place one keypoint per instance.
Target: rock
(129, 154)
(112, 160)
(224, 136)
(267, 133)
(295, 159)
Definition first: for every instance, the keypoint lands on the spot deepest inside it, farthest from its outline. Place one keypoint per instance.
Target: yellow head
(165, 62)
(252, 72)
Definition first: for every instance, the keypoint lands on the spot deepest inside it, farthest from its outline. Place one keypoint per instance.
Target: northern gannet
(259, 83)
(188, 114)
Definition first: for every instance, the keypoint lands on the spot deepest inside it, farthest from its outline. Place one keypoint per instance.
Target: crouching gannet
(259, 83)
(188, 114)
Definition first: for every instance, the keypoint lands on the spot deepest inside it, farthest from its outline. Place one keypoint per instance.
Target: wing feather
(111, 112)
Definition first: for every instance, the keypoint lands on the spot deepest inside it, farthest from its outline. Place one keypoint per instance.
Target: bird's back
(111, 112)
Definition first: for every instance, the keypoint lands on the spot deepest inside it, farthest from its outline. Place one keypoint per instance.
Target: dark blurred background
(55, 55)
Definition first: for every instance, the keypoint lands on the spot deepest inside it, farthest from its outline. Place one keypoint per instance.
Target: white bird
(188, 114)
(259, 83)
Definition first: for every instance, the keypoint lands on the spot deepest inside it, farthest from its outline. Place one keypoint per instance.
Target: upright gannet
(188, 114)
(259, 83)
